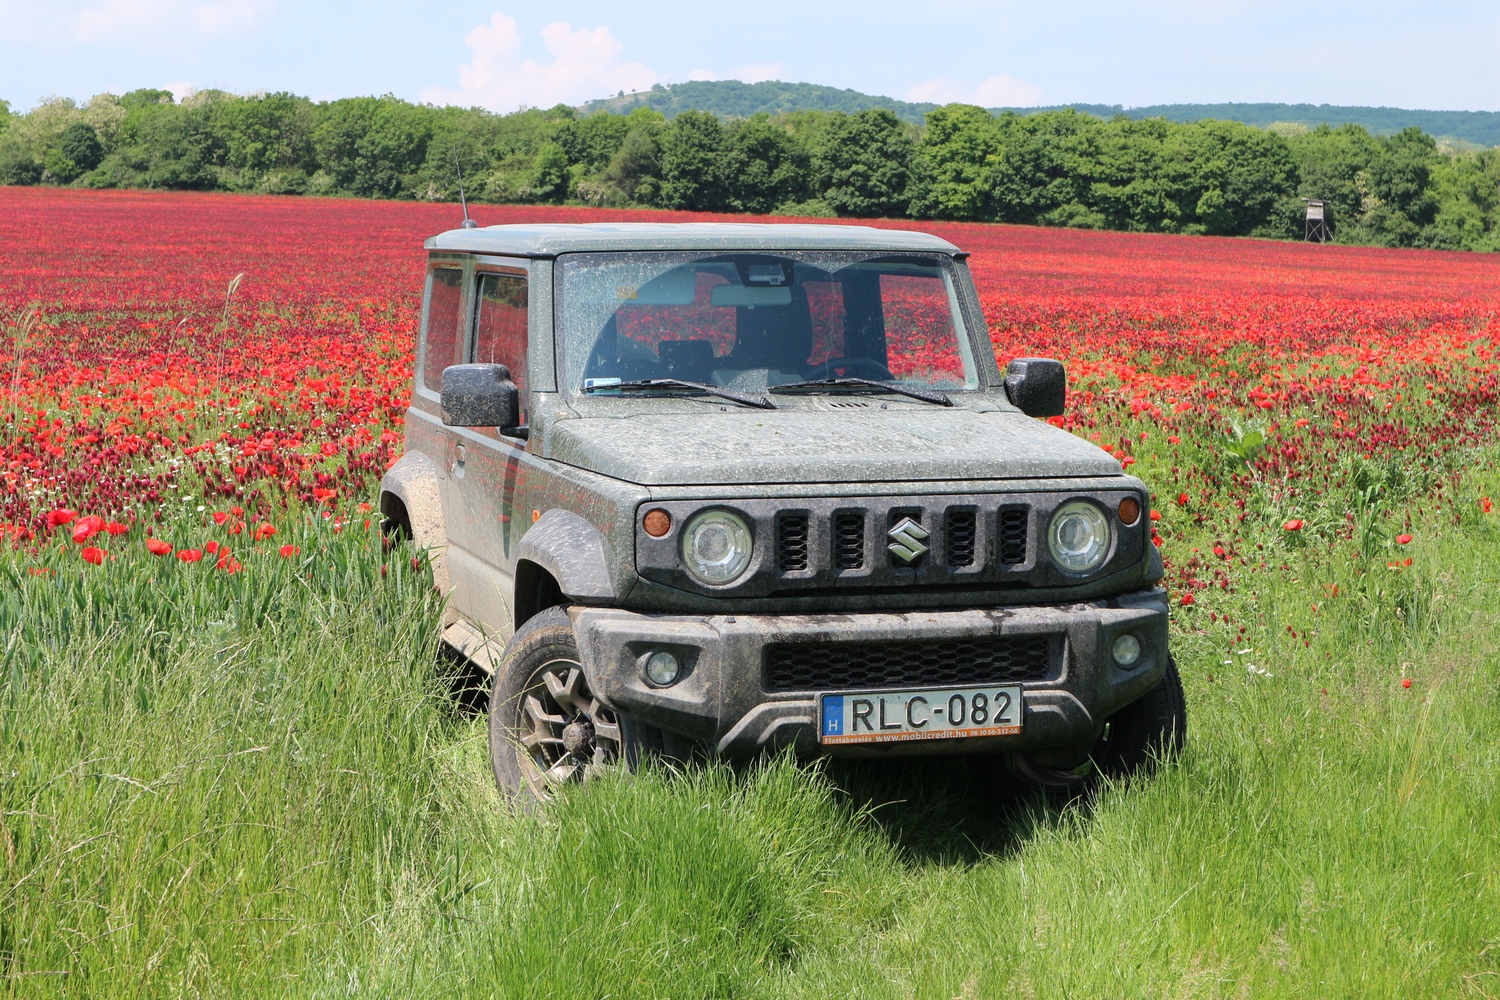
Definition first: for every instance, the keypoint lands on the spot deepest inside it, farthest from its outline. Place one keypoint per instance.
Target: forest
(1055, 168)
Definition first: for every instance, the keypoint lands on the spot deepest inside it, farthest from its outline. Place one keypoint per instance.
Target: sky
(1437, 54)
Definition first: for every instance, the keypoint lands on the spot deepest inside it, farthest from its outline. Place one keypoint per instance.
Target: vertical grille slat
(1011, 540)
(792, 543)
(849, 540)
(962, 531)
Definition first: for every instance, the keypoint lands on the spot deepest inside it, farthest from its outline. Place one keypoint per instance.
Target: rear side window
(500, 325)
(445, 306)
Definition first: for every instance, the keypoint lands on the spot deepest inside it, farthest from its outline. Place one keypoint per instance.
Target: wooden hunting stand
(1317, 222)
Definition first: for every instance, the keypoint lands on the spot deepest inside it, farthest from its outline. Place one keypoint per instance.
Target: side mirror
(1039, 386)
(480, 396)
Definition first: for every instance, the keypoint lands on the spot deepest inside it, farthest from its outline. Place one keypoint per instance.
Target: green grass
(258, 785)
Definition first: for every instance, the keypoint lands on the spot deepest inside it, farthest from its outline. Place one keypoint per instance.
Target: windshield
(747, 321)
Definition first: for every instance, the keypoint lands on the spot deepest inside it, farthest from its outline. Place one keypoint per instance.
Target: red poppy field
(230, 767)
(255, 353)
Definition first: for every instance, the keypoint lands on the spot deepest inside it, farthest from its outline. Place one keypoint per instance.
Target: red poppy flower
(92, 555)
(220, 517)
(288, 550)
(59, 517)
(116, 528)
(1187, 600)
(157, 547)
(1295, 524)
(211, 547)
(264, 531)
(1406, 682)
(190, 555)
(1485, 504)
(1402, 539)
(319, 493)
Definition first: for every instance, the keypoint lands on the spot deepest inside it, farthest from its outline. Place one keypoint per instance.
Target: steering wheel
(852, 367)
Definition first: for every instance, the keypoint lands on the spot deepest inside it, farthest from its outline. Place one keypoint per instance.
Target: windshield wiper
(679, 383)
(850, 382)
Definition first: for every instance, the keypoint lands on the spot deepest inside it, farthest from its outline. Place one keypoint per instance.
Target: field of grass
(262, 783)
(259, 784)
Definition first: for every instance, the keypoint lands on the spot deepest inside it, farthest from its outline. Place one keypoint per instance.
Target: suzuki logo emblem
(906, 540)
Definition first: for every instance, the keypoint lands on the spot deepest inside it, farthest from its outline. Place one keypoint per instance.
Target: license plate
(920, 715)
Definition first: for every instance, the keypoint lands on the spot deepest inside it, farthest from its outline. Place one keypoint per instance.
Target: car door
(485, 462)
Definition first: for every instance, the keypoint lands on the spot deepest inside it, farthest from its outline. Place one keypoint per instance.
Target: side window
(444, 310)
(500, 326)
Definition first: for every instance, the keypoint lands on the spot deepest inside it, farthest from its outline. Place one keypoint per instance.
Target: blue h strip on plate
(833, 715)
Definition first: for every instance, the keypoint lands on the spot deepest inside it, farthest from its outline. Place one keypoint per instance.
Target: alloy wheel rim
(566, 734)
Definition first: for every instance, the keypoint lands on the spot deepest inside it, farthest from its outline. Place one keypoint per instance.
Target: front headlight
(716, 547)
(1078, 537)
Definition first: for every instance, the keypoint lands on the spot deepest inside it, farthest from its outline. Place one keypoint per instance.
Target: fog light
(1127, 650)
(662, 668)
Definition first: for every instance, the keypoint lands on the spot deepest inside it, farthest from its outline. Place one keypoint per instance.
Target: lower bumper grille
(833, 666)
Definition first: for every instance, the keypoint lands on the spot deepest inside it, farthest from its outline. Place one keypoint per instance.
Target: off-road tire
(546, 727)
(1147, 732)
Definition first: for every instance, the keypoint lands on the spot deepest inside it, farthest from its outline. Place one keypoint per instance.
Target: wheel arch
(411, 499)
(562, 557)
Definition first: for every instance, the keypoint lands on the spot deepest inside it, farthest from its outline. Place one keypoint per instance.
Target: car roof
(549, 240)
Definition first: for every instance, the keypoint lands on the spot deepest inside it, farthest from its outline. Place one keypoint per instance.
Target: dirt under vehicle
(738, 487)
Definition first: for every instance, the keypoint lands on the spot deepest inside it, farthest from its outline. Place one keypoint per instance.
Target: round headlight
(1078, 537)
(716, 547)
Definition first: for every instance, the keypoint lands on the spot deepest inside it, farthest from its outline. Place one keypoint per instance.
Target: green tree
(765, 164)
(373, 146)
(693, 151)
(956, 163)
(862, 164)
(80, 144)
(635, 168)
(549, 176)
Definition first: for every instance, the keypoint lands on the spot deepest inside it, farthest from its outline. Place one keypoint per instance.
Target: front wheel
(547, 729)
(1148, 731)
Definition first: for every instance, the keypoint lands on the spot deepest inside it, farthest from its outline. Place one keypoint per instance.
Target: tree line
(1056, 168)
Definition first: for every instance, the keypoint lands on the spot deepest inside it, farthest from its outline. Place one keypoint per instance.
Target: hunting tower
(1317, 227)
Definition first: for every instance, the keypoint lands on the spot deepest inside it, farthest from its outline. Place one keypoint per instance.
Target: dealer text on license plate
(882, 717)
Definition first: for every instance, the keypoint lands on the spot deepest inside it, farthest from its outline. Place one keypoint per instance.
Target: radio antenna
(468, 223)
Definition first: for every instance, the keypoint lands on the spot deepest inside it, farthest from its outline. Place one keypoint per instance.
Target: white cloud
(1000, 90)
(585, 64)
(756, 72)
(134, 20)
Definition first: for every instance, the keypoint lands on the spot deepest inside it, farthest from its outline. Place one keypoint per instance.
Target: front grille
(1012, 537)
(792, 543)
(849, 541)
(961, 534)
(835, 666)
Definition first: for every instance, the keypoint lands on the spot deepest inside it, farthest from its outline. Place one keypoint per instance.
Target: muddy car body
(741, 487)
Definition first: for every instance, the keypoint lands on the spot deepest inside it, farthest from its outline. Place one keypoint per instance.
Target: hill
(733, 99)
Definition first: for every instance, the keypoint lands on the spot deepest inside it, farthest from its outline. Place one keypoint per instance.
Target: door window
(500, 326)
(444, 310)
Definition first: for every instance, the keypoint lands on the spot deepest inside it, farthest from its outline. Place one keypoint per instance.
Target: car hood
(796, 446)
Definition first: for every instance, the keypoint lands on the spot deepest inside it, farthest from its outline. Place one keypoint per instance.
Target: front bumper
(723, 701)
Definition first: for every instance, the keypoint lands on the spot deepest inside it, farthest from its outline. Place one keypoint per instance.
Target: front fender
(416, 482)
(573, 551)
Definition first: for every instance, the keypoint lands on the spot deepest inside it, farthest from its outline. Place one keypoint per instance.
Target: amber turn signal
(657, 522)
(1130, 511)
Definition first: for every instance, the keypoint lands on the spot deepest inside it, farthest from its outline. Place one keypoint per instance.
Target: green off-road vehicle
(730, 488)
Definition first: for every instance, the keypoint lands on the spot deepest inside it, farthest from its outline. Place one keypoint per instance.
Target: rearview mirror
(1039, 386)
(480, 396)
(751, 295)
